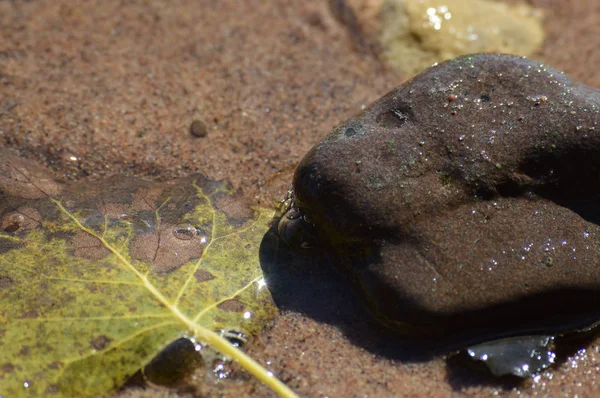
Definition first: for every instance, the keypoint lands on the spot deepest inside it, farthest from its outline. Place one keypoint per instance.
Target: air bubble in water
(184, 232)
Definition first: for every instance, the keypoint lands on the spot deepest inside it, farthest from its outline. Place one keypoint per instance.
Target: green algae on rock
(418, 33)
(97, 278)
(465, 203)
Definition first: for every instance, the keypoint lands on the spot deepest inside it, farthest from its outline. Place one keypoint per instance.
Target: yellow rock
(419, 33)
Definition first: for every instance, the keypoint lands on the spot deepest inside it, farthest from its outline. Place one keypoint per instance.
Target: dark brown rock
(466, 202)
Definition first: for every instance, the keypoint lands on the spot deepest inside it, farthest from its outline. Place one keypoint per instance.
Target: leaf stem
(250, 365)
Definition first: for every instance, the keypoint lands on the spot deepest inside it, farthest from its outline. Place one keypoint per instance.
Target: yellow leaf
(96, 280)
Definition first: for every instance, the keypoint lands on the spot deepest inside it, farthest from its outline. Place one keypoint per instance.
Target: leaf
(96, 279)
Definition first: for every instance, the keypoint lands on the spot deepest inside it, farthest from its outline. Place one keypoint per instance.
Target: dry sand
(92, 88)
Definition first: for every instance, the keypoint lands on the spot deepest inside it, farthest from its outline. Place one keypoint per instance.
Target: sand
(93, 88)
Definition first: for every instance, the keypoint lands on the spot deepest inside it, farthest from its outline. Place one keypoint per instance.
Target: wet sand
(93, 88)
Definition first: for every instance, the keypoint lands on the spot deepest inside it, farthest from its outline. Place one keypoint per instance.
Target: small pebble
(199, 129)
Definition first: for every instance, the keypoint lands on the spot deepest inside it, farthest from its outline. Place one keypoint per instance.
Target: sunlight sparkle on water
(437, 16)
(261, 283)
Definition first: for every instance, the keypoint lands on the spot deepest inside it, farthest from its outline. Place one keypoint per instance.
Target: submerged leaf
(96, 280)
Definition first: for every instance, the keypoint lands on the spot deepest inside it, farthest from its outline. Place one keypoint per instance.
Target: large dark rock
(466, 202)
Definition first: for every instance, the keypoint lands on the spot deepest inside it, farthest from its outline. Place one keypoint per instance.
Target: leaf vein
(199, 262)
(92, 318)
(230, 297)
(94, 281)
